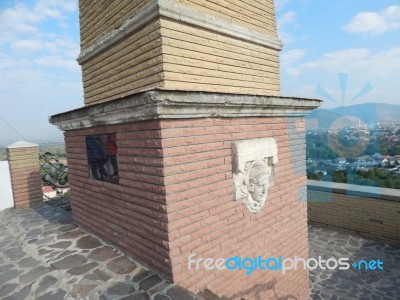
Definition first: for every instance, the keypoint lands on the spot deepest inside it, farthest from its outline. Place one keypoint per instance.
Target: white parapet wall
(6, 196)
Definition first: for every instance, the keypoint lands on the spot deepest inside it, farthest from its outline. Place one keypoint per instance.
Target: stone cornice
(160, 104)
(172, 10)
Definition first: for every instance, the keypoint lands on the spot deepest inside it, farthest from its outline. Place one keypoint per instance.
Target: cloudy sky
(39, 42)
(346, 52)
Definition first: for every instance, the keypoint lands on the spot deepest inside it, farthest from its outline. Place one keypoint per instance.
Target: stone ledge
(22, 144)
(354, 190)
(161, 104)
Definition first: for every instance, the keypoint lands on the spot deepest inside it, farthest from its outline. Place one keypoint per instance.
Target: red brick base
(175, 197)
(26, 185)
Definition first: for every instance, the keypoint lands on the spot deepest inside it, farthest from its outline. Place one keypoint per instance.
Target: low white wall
(6, 197)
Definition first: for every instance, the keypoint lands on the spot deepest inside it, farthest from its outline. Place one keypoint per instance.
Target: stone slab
(121, 265)
(157, 104)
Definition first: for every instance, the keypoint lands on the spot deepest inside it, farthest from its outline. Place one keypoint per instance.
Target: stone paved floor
(44, 256)
(353, 283)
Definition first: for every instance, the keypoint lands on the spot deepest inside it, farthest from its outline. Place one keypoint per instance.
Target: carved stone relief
(253, 170)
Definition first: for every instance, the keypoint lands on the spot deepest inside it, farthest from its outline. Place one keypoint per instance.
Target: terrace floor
(353, 283)
(44, 256)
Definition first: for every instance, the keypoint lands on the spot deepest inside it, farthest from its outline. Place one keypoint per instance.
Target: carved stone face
(258, 184)
(253, 164)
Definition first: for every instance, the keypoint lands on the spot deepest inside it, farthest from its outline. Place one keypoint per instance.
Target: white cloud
(24, 19)
(293, 72)
(359, 61)
(26, 30)
(5, 61)
(31, 80)
(289, 58)
(279, 4)
(66, 46)
(9, 62)
(39, 75)
(26, 46)
(375, 22)
(363, 66)
(75, 87)
(57, 62)
(285, 20)
(339, 60)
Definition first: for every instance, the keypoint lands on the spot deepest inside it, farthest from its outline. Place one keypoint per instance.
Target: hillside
(369, 113)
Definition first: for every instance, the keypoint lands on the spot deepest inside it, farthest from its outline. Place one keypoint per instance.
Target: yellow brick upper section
(257, 15)
(173, 55)
(97, 18)
(199, 60)
(131, 66)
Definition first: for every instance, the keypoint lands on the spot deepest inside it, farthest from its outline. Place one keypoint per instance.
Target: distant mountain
(369, 113)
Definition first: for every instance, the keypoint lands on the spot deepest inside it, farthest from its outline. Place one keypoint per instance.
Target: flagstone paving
(353, 283)
(44, 256)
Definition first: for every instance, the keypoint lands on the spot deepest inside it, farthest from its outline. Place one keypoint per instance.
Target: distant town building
(49, 192)
(340, 160)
